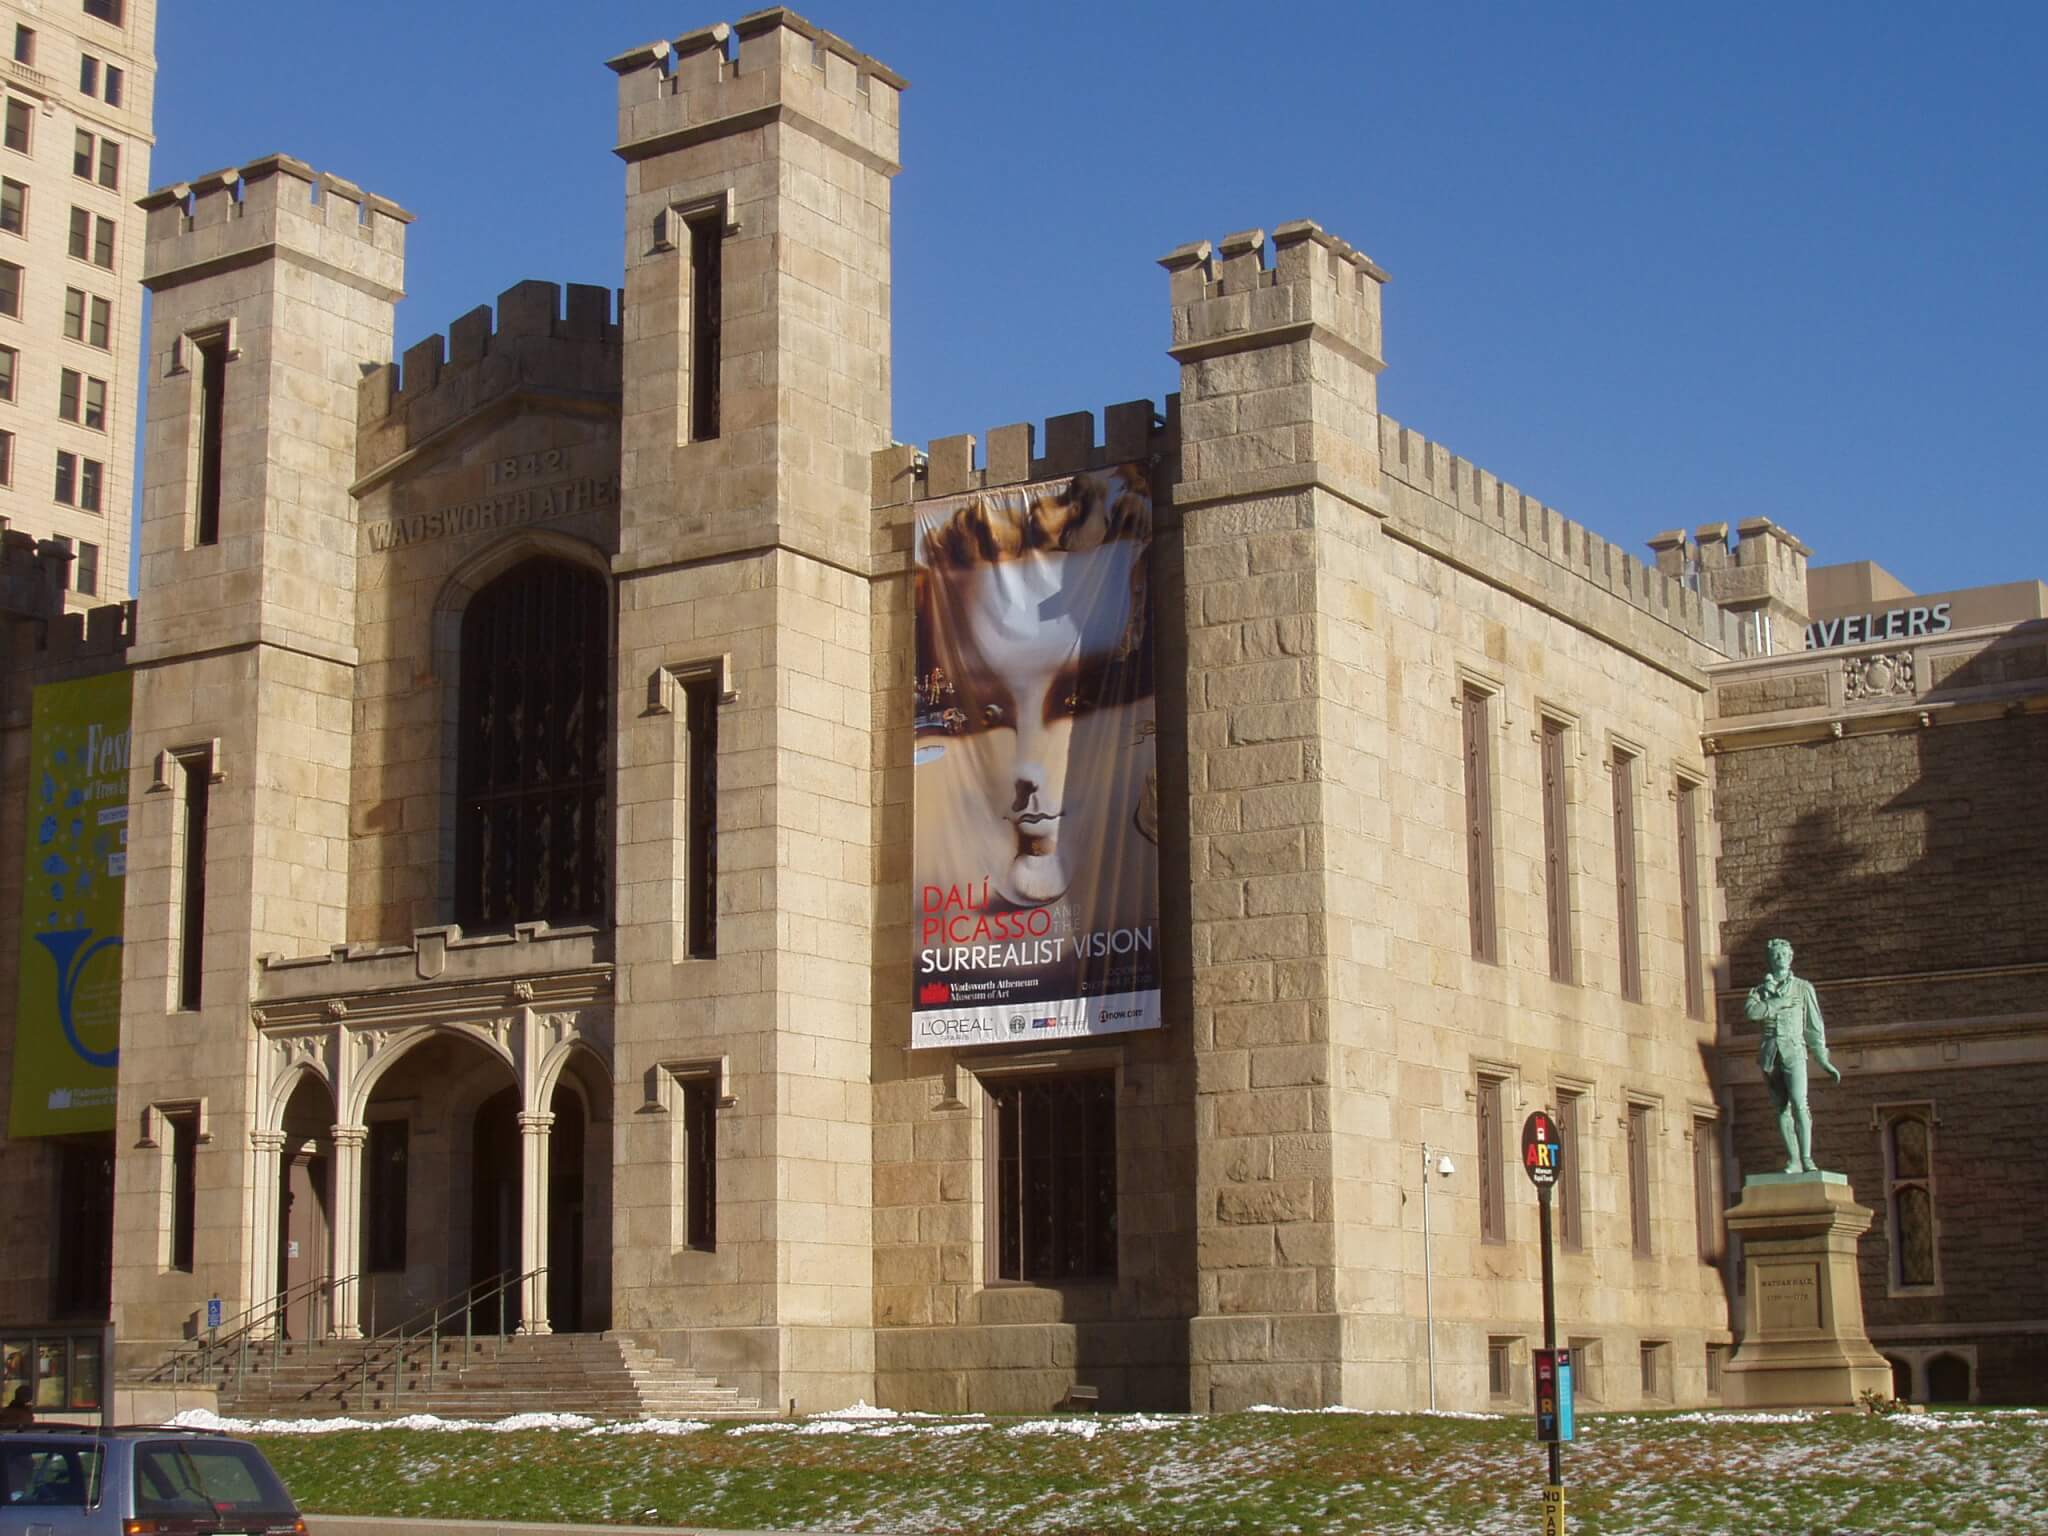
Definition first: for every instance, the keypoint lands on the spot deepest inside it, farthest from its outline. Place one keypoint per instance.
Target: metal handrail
(427, 1324)
(198, 1360)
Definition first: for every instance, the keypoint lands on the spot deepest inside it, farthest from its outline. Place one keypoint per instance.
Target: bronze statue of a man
(1790, 1015)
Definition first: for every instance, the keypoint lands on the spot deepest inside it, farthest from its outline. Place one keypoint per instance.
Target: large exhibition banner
(1036, 791)
(74, 871)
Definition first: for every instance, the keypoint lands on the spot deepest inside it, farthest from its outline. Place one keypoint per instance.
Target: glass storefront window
(85, 1373)
(51, 1374)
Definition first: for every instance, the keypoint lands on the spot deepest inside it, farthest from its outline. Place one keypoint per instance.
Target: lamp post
(1438, 1163)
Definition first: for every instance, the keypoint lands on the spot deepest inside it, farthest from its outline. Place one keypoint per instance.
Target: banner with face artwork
(1035, 911)
(67, 1021)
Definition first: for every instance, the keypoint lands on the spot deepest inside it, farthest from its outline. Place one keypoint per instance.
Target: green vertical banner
(74, 874)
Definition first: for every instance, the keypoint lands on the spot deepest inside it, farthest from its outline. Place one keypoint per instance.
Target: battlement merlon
(275, 206)
(674, 94)
(1225, 298)
(1132, 431)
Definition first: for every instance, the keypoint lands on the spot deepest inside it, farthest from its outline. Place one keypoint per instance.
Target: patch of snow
(649, 1427)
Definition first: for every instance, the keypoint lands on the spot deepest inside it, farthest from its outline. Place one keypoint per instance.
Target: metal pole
(1549, 1316)
(1428, 1285)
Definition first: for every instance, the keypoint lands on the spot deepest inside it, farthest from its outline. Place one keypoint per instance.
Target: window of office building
(10, 360)
(88, 568)
(88, 74)
(13, 207)
(1052, 1156)
(16, 134)
(10, 289)
(24, 44)
(114, 11)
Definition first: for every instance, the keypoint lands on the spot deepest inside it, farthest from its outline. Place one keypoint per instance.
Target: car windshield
(42, 1475)
(205, 1477)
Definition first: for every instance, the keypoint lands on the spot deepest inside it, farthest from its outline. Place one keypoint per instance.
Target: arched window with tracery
(1909, 1159)
(533, 748)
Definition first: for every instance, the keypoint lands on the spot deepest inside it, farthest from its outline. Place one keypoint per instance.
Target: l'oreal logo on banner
(1892, 624)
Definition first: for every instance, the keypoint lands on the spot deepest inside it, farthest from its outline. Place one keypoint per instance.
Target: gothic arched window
(534, 741)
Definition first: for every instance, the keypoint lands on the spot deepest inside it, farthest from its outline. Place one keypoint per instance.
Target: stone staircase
(604, 1375)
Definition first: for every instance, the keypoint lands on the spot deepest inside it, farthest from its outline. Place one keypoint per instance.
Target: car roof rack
(110, 1429)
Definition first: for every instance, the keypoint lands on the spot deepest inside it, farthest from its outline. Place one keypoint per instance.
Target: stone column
(263, 1211)
(348, 1228)
(534, 1130)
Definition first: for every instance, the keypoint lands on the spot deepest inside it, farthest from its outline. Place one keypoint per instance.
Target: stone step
(606, 1375)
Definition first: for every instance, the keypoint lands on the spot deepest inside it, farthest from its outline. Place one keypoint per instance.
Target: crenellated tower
(272, 290)
(756, 357)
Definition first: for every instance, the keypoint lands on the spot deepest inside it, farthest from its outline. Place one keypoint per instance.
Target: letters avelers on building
(1036, 896)
(74, 871)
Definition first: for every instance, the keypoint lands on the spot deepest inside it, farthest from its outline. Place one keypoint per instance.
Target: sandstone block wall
(946, 1337)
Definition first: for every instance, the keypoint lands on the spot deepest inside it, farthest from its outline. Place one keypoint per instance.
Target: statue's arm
(1817, 1035)
(1758, 1007)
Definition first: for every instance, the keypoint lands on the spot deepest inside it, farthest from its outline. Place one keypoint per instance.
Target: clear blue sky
(1656, 265)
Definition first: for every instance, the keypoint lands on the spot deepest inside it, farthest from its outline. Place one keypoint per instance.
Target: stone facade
(1347, 618)
(1878, 806)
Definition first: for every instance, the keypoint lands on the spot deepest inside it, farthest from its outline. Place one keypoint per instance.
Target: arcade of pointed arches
(473, 1099)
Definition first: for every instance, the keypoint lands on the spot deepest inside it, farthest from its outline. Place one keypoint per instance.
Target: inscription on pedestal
(1788, 1297)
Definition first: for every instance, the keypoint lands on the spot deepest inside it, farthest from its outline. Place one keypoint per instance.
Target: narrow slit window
(1479, 862)
(197, 776)
(1706, 1187)
(213, 383)
(701, 725)
(1493, 1207)
(1639, 1179)
(184, 1172)
(1569, 1201)
(1627, 928)
(1909, 1156)
(700, 1173)
(1689, 897)
(1556, 851)
(707, 305)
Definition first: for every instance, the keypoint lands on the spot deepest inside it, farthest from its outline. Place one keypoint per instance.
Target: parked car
(133, 1480)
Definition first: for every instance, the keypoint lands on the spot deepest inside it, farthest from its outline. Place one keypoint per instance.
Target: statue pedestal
(1803, 1343)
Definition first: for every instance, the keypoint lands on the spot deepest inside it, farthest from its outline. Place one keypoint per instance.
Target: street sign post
(1543, 1155)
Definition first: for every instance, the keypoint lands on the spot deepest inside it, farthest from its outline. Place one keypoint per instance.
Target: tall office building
(80, 83)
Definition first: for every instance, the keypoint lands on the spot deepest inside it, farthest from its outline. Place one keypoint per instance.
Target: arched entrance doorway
(455, 1174)
(305, 1196)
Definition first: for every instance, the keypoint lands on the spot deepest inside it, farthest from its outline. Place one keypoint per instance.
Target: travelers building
(937, 925)
(79, 84)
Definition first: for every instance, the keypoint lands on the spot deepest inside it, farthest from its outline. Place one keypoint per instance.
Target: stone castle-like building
(519, 858)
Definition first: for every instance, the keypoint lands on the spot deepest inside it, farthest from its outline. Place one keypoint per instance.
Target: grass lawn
(1253, 1472)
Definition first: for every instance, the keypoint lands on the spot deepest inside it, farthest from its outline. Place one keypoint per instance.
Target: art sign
(74, 874)
(1035, 910)
(1542, 1150)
